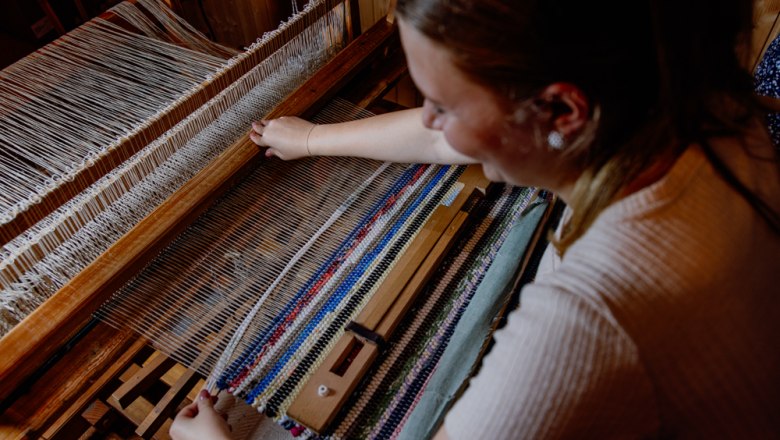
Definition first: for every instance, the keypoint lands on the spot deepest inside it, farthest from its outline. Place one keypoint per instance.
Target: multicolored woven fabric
(398, 380)
(284, 354)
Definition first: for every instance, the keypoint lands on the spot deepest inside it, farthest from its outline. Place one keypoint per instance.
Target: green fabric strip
(462, 353)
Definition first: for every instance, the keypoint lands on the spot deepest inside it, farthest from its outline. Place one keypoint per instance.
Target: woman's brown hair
(660, 76)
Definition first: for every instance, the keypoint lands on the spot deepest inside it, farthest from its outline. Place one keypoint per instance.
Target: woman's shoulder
(683, 247)
(697, 180)
(687, 238)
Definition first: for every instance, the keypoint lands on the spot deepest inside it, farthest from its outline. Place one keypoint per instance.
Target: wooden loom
(33, 406)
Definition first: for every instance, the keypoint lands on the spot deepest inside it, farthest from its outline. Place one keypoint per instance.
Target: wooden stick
(167, 405)
(142, 379)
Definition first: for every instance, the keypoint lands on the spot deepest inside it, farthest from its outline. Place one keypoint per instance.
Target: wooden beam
(54, 408)
(142, 379)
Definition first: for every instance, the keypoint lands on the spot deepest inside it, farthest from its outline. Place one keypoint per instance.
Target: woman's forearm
(398, 137)
(395, 137)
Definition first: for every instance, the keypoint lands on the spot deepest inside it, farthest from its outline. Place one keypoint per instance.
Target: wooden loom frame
(64, 314)
(139, 139)
(41, 334)
(28, 345)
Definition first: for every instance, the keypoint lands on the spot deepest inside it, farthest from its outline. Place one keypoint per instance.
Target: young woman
(656, 313)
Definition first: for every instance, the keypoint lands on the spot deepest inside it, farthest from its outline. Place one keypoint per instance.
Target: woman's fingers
(286, 137)
(256, 138)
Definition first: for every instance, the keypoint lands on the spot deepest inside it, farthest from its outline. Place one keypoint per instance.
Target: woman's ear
(570, 108)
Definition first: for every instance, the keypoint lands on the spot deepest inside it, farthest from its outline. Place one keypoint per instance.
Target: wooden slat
(36, 408)
(136, 412)
(168, 404)
(56, 429)
(29, 344)
(143, 379)
(96, 413)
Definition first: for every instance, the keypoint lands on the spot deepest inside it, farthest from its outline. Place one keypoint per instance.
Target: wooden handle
(326, 391)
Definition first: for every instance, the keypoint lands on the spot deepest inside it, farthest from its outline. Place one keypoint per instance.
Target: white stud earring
(555, 140)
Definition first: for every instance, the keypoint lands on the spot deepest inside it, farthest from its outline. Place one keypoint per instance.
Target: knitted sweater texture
(662, 320)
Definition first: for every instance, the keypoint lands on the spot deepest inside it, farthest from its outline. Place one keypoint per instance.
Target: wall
(766, 28)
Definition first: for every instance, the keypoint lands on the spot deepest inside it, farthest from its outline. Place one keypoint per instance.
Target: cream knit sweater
(662, 320)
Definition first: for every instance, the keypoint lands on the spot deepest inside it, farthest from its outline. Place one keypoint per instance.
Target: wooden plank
(114, 368)
(150, 373)
(29, 344)
(96, 412)
(135, 412)
(168, 404)
(9, 432)
(40, 405)
(90, 433)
